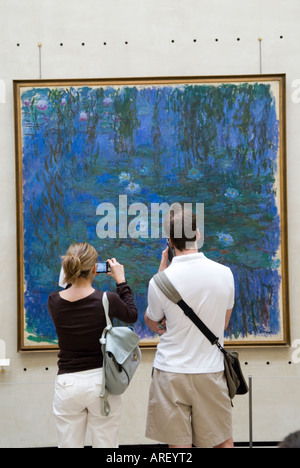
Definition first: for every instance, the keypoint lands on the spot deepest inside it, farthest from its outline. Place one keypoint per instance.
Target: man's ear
(171, 243)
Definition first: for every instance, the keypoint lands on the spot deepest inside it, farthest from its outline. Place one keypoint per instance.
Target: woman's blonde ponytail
(78, 261)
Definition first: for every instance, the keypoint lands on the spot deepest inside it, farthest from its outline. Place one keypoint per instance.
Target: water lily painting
(93, 157)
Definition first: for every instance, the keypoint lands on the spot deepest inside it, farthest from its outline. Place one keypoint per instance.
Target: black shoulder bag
(235, 380)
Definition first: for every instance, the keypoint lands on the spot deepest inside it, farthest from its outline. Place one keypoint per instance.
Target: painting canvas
(85, 148)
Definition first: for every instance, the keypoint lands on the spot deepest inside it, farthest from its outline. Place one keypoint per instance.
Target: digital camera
(103, 267)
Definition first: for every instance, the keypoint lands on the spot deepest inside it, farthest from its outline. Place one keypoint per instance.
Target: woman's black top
(79, 326)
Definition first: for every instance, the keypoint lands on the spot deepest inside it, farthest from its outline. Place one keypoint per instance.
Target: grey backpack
(121, 357)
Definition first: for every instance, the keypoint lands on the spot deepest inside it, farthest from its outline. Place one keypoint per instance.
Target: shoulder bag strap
(168, 289)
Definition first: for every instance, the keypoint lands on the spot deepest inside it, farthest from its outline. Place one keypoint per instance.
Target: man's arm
(227, 317)
(230, 303)
(156, 327)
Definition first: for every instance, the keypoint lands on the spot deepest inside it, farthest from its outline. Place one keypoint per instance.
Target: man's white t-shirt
(208, 288)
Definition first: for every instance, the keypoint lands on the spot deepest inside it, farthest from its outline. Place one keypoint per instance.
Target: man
(188, 401)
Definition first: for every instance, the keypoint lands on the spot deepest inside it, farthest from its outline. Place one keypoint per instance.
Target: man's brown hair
(182, 227)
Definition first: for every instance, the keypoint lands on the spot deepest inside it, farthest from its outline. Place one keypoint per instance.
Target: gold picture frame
(155, 139)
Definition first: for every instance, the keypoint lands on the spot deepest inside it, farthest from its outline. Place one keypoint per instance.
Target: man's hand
(164, 260)
(156, 327)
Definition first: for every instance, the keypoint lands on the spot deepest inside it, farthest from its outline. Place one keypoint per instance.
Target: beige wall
(148, 26)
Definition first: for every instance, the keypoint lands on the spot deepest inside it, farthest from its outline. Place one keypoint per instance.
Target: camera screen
(101, 267)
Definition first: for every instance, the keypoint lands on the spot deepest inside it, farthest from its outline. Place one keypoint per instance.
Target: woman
(79, 319)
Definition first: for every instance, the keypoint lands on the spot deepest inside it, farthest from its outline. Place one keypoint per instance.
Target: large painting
(95, 157)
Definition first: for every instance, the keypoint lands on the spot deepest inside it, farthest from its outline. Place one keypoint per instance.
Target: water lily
(144, 170)
(83, 116)
(231, 193)
(225, 238)
(132, 187)
(63, 101)
(125, 177)
(107, 101)
(194, 173)
(142, 227)
(42, 104)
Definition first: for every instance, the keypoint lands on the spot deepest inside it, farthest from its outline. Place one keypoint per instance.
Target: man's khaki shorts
(189, 409)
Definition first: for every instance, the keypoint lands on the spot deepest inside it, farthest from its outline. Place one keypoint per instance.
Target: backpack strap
(105, 408)
(106, 308)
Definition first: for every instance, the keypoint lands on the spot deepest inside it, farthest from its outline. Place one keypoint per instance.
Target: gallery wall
(50, 39)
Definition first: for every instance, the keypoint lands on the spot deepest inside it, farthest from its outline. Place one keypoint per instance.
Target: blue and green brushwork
(217, 145)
